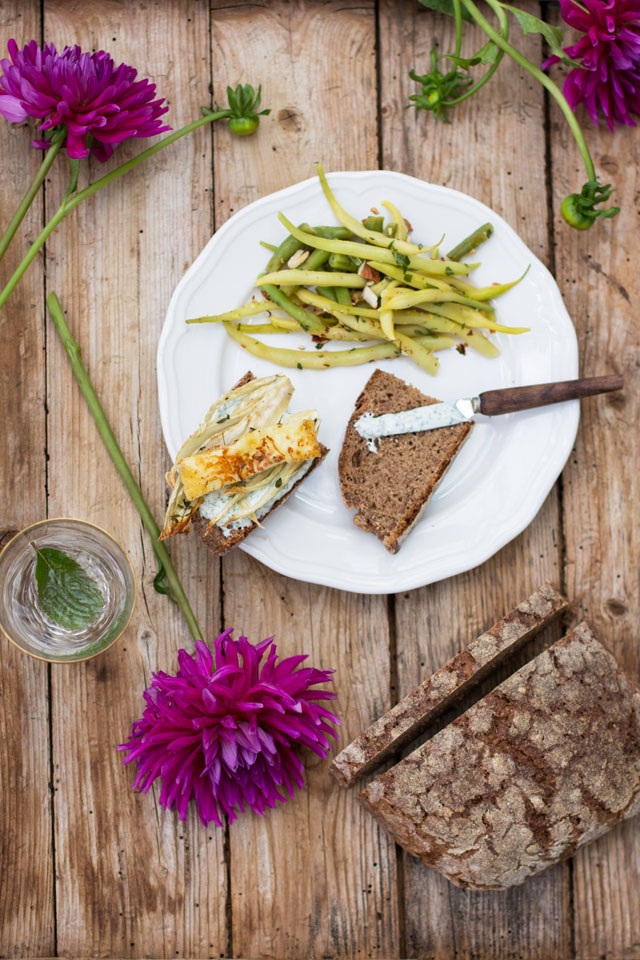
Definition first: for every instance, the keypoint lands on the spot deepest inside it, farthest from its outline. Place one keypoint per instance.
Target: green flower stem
(539, 76)
(69, 203)
(457, 11)
(504, 30)
(28, 198)
(150, 525)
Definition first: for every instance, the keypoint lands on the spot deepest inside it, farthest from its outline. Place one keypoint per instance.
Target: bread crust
(412, 715)
(545, 763)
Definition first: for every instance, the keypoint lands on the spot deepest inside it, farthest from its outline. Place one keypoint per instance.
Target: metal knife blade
(429, 417)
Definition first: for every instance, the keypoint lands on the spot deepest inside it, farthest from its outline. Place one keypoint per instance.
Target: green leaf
(445, 6)
(553, 35)
(66, 592)
(486, 54)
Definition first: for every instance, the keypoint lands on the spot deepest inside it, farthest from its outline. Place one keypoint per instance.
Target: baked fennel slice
(245, 458)
(250, 405)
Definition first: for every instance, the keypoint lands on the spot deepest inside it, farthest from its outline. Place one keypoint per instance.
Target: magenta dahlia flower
(227, 735)
(98, 104)
(610, 55)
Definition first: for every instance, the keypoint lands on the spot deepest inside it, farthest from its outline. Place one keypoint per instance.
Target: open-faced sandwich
(243, 461)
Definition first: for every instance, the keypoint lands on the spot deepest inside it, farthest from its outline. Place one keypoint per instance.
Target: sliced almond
(370, 297)
(364, 270)
(297, 259)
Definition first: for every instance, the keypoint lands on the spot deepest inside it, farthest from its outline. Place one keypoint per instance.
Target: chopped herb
(419, 246)
(448, 271)
(279, 482)
(223, 419)
(408, 277)
(299, 366)
(401, 259)
(431, 286)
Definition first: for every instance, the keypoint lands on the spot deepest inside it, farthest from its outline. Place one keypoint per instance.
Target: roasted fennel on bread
(243, 461)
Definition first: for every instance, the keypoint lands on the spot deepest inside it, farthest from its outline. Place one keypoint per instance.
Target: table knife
(491, 403)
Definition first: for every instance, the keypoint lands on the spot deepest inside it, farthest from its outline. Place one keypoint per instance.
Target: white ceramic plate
(500, 479)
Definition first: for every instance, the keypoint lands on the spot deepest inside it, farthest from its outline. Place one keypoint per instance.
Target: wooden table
(87, 867)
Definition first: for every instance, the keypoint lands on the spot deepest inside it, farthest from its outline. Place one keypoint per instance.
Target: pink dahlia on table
(226, 729)
(98, 104)
(609, 53)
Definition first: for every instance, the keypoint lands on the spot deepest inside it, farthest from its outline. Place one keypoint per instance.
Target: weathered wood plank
(602, 490)
(315, 877)
(494, 150)
(131, 880)
(26, 874)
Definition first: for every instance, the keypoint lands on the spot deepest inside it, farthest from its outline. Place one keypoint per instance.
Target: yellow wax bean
(317, 300)
(320, 278)
(354, 249)
(412, 298)
(355, 226)
(316, 359)
(471, 318)
(248, 310)
(414, 279)
(402, 231)
(423, 357)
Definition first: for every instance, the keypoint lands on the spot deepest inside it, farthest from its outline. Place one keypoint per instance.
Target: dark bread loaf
(546, 762)
(390, 488)
(404, 722)
(213, 537)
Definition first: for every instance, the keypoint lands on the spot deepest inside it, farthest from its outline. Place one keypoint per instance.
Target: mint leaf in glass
(66, 592)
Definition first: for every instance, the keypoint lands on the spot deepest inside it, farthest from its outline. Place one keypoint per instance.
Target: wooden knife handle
(493, 402)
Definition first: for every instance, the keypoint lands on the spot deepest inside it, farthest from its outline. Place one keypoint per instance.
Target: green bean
(317, 259)
(332, 233)
(248, 310)
(343, 296)
(338, 261)
(373, 223)
(312, 360)
(268, 246)
(354, 249)
(285, 251)
(314, 277)
(308, 321)
(330, 293)
(469, 244)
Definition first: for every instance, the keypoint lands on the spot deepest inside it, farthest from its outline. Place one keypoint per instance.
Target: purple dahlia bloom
(610, 53)
(99, 104)
(227, 734)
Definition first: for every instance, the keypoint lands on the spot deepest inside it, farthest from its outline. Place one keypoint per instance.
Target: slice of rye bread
(413, 714)
(390, 488)
(213, 537)
(543, 764)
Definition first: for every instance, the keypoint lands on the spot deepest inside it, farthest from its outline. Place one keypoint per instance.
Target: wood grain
(316, 877)
(602, 490)
(26, 853)
(132, 880)
(504, 120)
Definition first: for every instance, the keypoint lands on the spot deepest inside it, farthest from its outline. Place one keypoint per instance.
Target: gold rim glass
(22, 620)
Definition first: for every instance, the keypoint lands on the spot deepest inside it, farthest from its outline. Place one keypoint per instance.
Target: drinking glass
(23, 620)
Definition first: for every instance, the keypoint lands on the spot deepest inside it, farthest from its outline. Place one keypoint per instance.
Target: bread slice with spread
(391, 485)
(246, 458)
